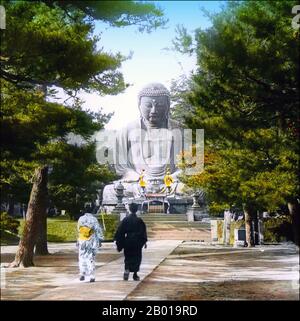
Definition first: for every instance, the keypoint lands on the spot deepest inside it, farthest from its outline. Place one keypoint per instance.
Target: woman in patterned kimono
(89, 240)
(131, 236)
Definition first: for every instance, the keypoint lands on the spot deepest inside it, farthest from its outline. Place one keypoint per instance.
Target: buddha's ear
(139, 105)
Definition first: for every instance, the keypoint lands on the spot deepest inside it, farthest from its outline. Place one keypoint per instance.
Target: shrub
(8, 223)
(277, 229)
(109, 223)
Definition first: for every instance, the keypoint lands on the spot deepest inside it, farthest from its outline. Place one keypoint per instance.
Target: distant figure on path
(131, 236)
(89, 240)
(142, 181)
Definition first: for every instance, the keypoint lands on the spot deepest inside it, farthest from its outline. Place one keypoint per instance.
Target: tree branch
(18, 80)
(271, 87)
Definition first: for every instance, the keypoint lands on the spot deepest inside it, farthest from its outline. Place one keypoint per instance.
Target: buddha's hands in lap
(130, 177)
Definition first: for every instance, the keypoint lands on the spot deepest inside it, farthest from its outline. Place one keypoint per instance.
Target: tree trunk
(36, 209)
(294, 209)
(248, 212)
(41, 247)
(255, 228)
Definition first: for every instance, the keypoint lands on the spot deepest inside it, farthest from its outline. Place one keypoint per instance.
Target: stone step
(173, 222)
(176, 225)
(183, 238)
(178, 230)
(164, 216)
(160, 213)
(181, 235)
(183, 228)
(163, 220)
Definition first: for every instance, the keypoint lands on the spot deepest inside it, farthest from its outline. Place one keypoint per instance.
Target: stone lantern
(120, 207)
(196, 212)
(195, 197)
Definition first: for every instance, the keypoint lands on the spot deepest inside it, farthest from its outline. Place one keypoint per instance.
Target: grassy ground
(61, 229)
(109, 223)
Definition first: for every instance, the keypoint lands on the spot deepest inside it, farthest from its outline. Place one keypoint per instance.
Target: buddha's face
(155, 110)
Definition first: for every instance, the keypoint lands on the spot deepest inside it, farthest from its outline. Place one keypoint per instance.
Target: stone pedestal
(120, 208)
(190, 216)
(196, 212)
(226, 227)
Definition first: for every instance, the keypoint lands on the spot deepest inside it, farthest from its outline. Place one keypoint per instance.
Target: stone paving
(196, 272)
(171, 270)
(55, 277)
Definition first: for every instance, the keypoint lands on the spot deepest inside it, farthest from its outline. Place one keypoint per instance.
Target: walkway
(55, 277)
(171, 270)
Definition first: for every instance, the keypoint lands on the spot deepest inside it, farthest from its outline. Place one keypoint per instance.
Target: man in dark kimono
(131, 236)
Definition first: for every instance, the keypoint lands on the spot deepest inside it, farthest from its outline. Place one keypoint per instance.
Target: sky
(149, 62)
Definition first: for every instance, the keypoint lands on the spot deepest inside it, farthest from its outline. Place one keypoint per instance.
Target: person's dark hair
(133, 207)
(88, 208)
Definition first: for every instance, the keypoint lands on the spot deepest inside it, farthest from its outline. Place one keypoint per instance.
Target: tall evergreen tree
(48, 45)
(245, 94)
